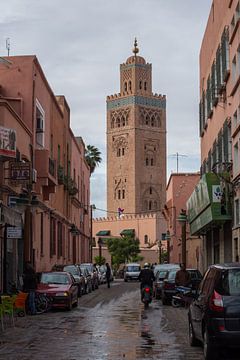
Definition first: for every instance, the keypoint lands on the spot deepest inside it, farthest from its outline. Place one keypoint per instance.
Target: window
(152, 162)
(125, 86)
(119, 194)
(123, 194)
(145, 85)
(150, 205)
(130, 85)
(118, 122)
(236, 212)
(118, 152)
(236, 158)
(145, 239)
(150, 191)
(123, 151)
(52, 237)
(40, 124)
(60, 242)
(234, 69)
(140, 85)
(147, 161)
(235, 119)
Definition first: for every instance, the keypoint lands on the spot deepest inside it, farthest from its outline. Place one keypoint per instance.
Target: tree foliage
(100, 260)
(123, 249)
(93, 157)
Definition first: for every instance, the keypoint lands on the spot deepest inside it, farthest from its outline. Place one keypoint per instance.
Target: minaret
(136, 141)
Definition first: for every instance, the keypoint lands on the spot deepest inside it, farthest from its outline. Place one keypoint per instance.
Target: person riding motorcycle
(146, 277)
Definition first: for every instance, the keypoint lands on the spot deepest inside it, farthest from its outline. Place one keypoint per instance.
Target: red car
(61, 287)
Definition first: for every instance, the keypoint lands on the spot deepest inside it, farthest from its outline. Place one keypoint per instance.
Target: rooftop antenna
(177, 155)
(8, 45)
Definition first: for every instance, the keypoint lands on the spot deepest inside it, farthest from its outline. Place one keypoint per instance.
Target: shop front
(210, 216)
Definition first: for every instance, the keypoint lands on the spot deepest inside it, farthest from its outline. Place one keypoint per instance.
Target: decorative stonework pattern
(119, 118)
(136, 100)
(127, 75)
(150, 117)
(151, 199)
(119, 141)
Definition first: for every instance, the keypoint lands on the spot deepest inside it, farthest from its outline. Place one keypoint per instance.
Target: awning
(209, 205)
(127, 232)
(10, 216)
(103, 233)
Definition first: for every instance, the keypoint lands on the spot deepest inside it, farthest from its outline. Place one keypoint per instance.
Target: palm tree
(93, 157)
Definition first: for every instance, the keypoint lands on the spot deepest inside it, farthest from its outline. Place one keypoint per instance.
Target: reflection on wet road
(119, 329)
(122, 329)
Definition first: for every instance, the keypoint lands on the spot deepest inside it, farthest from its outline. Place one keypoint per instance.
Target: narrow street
(108, 324)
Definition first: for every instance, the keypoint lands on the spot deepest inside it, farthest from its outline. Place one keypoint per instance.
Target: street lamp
(160, 251)
(92, 207)
(182, 219)
(168, 237)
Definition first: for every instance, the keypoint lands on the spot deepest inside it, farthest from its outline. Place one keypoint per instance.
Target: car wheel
(209, 351)
(192, 339)
(125, 280)
(79, 291)
(76, 303)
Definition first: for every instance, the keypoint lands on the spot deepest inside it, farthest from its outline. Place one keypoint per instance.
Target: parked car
(131, 271)
(102, 270)
(78, 276)
(61, 286)
(161, 267)
(169, 286)
(214, 316)
(158, 283)
(93, 272)
(88, 279)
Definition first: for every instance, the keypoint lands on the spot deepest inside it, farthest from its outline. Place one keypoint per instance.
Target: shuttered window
(225, 53)
(218, 69)
(209, 98)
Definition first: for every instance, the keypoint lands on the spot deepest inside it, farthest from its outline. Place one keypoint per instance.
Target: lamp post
(168, 237)
(182, 219)
(160, 251)
(92, 207)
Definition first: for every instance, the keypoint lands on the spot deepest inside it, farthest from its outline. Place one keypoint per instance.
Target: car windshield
(195, 274)
(54, 279)
(133, 268)
(172, 275)
(71, 269)
(89, 267)
(161, 274)
(229, 283)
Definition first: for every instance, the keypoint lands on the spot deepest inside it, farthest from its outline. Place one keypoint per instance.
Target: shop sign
(7, 142)
(20, 172)
(14, 232)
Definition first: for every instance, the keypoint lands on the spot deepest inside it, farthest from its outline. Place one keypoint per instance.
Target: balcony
(47, 172)
(70, 185)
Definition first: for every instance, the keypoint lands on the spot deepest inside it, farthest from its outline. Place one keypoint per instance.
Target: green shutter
(218, 69)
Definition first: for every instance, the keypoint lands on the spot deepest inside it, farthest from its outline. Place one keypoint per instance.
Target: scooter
(146, 296)
(184, 296)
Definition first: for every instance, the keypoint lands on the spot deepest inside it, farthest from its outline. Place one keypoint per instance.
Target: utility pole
(177, 155)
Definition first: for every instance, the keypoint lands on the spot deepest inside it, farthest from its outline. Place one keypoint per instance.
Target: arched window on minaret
(150, 205)
(119, 194)
(147, 161)
(150, 190)
(153, 120)
(125, 86)
(145, 239)
(151, 162)
(123, 151)
(118, 122)
(112, 123)
(118, 152)
(130, 85)
(158, 121)
(123, 194)
(145, 85)
(140, 85)
(123, 120)
(147, 120)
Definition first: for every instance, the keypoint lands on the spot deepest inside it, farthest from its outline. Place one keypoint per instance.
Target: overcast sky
(80, 44)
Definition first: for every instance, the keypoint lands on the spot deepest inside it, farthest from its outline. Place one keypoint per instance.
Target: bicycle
(43, 302)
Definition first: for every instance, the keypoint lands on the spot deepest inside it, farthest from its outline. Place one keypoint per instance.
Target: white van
(131, 271)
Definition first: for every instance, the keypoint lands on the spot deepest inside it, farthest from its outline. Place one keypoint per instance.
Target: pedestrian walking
(108, 274)
(30, 286)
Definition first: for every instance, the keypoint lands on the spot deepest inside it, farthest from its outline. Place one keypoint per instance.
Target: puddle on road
(122, 329)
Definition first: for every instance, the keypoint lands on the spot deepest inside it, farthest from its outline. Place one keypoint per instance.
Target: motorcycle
(146, 296)
(183, 297)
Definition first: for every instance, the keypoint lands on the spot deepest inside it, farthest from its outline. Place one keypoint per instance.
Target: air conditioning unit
(39, 124)
(34, 175)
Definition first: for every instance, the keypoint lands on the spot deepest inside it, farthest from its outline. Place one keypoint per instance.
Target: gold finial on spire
(135, 49)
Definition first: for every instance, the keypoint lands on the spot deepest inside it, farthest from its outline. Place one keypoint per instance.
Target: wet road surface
(109, 324)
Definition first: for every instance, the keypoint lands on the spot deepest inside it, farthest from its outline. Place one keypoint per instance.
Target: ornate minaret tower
(136, 141)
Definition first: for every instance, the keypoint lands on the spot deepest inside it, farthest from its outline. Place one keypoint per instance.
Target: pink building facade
(211, 213)
(55, 216)
(179, 188)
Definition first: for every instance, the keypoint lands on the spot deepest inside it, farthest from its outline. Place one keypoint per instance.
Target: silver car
(131, 271)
